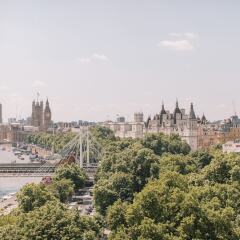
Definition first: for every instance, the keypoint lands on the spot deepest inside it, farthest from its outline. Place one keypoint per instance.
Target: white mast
(88, 162)
(81, 153)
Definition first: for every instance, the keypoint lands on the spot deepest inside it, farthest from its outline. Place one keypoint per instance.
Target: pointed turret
(192, 113)
(177, 109)
(163, 110)
(204, 119)
(47, 103)
(47, 116)
(177, 115)
(148, 121)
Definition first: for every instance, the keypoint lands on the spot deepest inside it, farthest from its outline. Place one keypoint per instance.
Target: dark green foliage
(116, 215)
(102, 133)
(170, 208)
(50, 141)
(121, 178)
(51, 221)
(177, 195)
(223, 169)
(104, 196)
(151, 188)
(73, 173)
(178, 163)
(196, 197)
(41, 215)
(161, 143)
(202, 158)
(139, 159)
(33, 196)
(62, 189)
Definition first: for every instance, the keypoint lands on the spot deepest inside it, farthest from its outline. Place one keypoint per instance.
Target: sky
(96, 59)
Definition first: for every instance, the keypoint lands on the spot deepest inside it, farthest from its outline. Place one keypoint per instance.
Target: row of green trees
(150, 188)
(51, 141)
(42, 213)
(155, 188)
(128, 165)
(57, 141)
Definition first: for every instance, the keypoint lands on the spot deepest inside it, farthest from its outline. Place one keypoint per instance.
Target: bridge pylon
(83, 149)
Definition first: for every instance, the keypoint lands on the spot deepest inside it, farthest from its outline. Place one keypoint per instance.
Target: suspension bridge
(83, 150)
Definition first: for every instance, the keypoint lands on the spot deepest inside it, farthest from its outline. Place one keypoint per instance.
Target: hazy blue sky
(97, 59)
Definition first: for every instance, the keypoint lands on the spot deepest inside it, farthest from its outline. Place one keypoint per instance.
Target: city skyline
(39, 101)
(96, 60)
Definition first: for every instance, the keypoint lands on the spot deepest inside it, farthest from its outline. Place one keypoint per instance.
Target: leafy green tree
(103, 197)
(170, 208)
(62, 189)
(144, 166)
(33, 196)
(10, 232)
(218, 171)
(150, 188)
(103, 135)
(50, 141)
(116, 215)
(73, 173)
(183, 164)
(52, 221)
(161, 143)
(202, 158)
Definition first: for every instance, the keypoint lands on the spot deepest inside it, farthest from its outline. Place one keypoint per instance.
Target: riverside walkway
(7, 205)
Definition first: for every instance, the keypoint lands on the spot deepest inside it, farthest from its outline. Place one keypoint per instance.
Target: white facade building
(231, 147)
(178, 122)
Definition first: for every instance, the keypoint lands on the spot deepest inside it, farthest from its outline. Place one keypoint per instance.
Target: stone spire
(148, 121)
(204, 119)
(47, 116)
(192, 113)
(163, 109)
(177, 109)
(177, 113)
(47, 103)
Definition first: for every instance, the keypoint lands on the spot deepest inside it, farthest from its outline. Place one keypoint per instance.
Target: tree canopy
(152, 188)
(73, 173)
(51, 221)
(42, 214)
(138, 161)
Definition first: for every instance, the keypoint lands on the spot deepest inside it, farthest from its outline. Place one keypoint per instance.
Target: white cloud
(180, 42)
(100, 57)
(39, 84)
(177, 44)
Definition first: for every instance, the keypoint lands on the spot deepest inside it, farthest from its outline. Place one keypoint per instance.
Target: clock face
(48, 115)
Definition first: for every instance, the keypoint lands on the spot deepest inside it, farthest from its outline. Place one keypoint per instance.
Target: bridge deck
(35, 170)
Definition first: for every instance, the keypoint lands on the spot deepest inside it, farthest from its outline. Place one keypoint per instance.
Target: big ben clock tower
(47, 116)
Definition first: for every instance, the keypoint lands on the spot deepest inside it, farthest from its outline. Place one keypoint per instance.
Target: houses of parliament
(41, 116)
